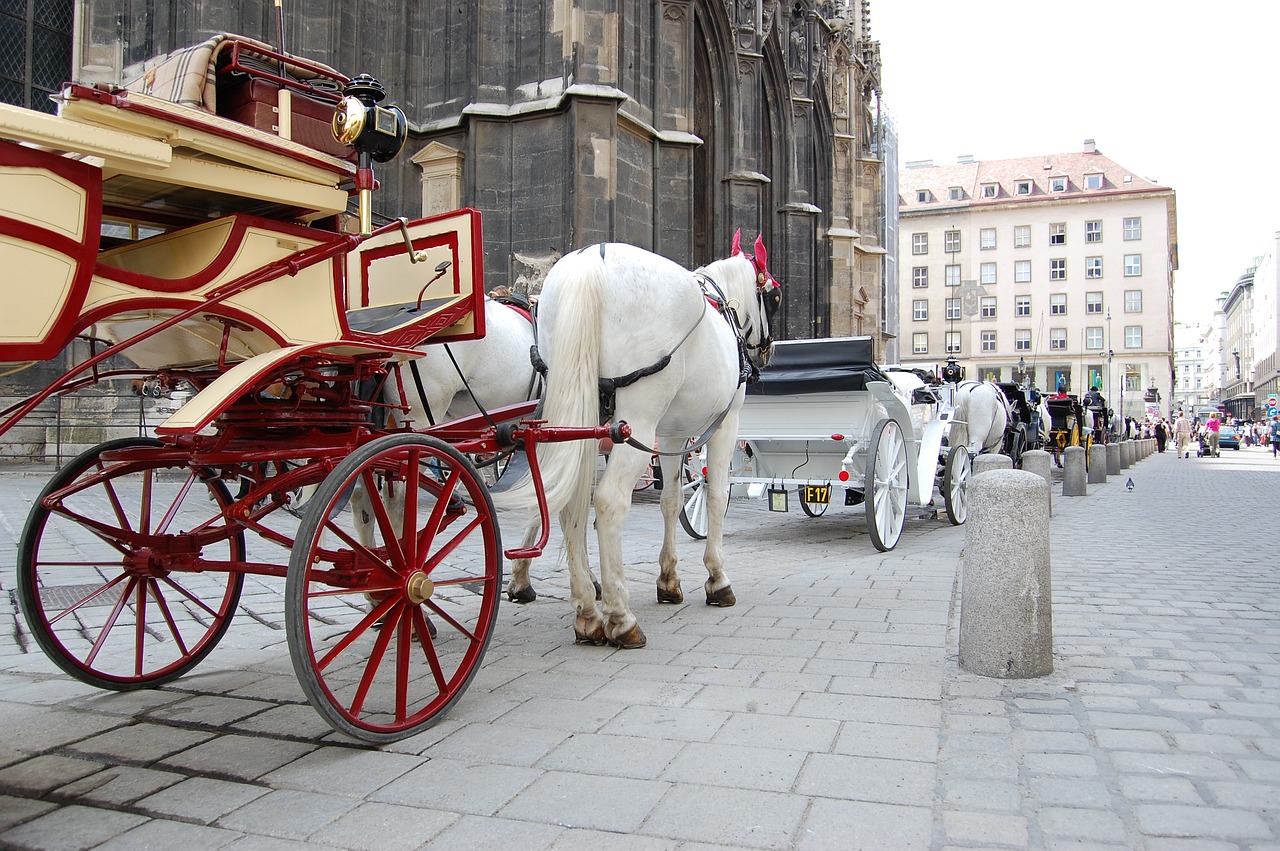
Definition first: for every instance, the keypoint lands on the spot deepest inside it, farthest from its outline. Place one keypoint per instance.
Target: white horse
(495, 368)
(982, 415)
(676, 347)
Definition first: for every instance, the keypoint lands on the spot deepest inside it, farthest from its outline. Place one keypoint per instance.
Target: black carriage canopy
(818, 366)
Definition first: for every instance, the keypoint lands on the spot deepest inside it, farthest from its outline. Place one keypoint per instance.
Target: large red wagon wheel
(391, 601)
(123, 566)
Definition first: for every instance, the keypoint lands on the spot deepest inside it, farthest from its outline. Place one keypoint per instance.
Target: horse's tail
(575, 290)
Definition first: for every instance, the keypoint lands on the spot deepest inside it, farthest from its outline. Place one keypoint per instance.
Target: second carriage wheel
(693, 495)
(813, 509)
(126, 566)
(391, 602)
(886, 484)
(955, 485)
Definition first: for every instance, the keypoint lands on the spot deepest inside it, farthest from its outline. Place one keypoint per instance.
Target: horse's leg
(520, 589)
(673, 495)
(719, 455)
(588, 625)
(613, 500)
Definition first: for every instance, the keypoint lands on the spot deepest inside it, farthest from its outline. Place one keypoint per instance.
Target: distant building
(1238, 347)
(1056, 268)
(1266, 325)
(1190, 391)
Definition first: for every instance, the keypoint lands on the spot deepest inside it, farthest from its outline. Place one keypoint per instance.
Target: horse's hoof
(670, 595)
(724, 597)
(632, 639)
(589, 631)
(521, 595)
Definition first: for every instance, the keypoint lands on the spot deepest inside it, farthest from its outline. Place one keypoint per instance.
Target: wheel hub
(419, 587)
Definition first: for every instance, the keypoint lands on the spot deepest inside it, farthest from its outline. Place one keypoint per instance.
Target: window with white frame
(1021, 236)
(923, 196)
(1093, 303)
(951, 241)
(1058, 269)
(1022, 340)
(953, 308)
(953, 342)
(919, 277)
(987, 307)
(1093, 267)
(1023, 187)
(1133, 336)
(1093, 231)
(990, 190)
(1093, 337)
(988, 341)
(920, 309)
(1058, 339)
(919, 243)
(1132, 265)
(1133, 301)
(1132, 377)
(987, 239)
(1022, 305)
(987, 273)
(952, 278)
(1133, 227)
(956, 193)
(1057, 304)
(1057, 184)
(1058, 233)
(1093, 180)
(920, 343)
(1021, 271)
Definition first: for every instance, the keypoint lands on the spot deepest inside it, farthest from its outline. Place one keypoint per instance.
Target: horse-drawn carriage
(824, 416)
(255, 290)
(1068, 425)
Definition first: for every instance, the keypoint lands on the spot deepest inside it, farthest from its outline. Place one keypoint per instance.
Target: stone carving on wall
(528, 271)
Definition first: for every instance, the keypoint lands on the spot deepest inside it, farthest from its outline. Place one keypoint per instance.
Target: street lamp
(1022, 372)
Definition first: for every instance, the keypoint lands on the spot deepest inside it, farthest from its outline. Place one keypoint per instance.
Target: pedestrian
(1161, 432)
(1211, 429)
(1275, 435)
(1182, 434)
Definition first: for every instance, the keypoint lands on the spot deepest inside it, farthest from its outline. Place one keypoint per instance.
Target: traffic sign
(1273, 410)
(1273, 402)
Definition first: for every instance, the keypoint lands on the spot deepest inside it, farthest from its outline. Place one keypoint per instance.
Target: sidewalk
(825, 711)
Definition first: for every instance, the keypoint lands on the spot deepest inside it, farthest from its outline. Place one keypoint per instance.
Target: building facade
(1190, 386)
(1056, 269)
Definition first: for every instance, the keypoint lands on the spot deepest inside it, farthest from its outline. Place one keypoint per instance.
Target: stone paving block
(233, 756)
(117, 785)
(692, 725)
(160, 833)
(481, 833)
(766, 769)
(887, 781)
(200, 799)
(617, 756)
(1176, 820)
(1131, 740)
(1076, 823)
(1186, 765)
(577, 839)
(143, 742)
(521, 746)
(983, 795)
(788, 732)
(596, 802)
(978, 724)
(42, 774)
(209, 710)
(386, 827)
(862, 825)
(14, 811)
(287, 814)
(1062, 764)
(744, 699)
(985, 828)
(72, 827)
(1180, 790)
(1073, 793)
(458, 786)
(891, 741)
(925, 713)
(345, 771)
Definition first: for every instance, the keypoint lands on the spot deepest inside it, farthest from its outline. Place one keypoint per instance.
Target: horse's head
(768, 298)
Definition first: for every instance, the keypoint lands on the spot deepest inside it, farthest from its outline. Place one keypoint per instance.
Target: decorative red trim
(83, 253)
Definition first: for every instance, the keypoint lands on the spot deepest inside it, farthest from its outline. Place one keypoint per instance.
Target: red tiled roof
(1116, 179)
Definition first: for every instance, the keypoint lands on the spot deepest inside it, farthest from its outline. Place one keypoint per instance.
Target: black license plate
(816, 494)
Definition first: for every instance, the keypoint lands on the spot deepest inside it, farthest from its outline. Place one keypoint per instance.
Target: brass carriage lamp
(376, 132)
(1022, 371)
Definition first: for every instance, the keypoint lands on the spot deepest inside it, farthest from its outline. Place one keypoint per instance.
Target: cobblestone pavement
(825, 710)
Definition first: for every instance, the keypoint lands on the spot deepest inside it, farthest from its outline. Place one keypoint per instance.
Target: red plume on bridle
(737, 243)
(760, 260)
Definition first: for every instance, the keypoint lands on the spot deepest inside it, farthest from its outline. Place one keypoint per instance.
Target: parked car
(1229, 437)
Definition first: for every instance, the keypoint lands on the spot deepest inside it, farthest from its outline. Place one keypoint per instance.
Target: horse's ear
(737, 243)
(762, 256)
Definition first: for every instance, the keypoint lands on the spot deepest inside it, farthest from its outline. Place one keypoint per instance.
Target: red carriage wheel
(390, 602)
(123, 572)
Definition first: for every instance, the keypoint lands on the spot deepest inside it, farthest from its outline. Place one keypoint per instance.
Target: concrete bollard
(1113, 459)
(1006, 612)
(1073, 480)
(1041, 463)
(1126, 454)
(1097, 464)
(990, 461)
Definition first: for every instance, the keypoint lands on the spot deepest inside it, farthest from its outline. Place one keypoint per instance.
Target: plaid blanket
(189, 76)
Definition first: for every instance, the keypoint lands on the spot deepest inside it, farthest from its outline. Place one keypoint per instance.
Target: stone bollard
(1097, 464)
(1073, 480)
(1113, 459)
(1126, 454)
(1041, 463)
(1006, 612)
(990, 461)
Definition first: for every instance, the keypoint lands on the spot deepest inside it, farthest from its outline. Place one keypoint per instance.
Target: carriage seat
(387, 317)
